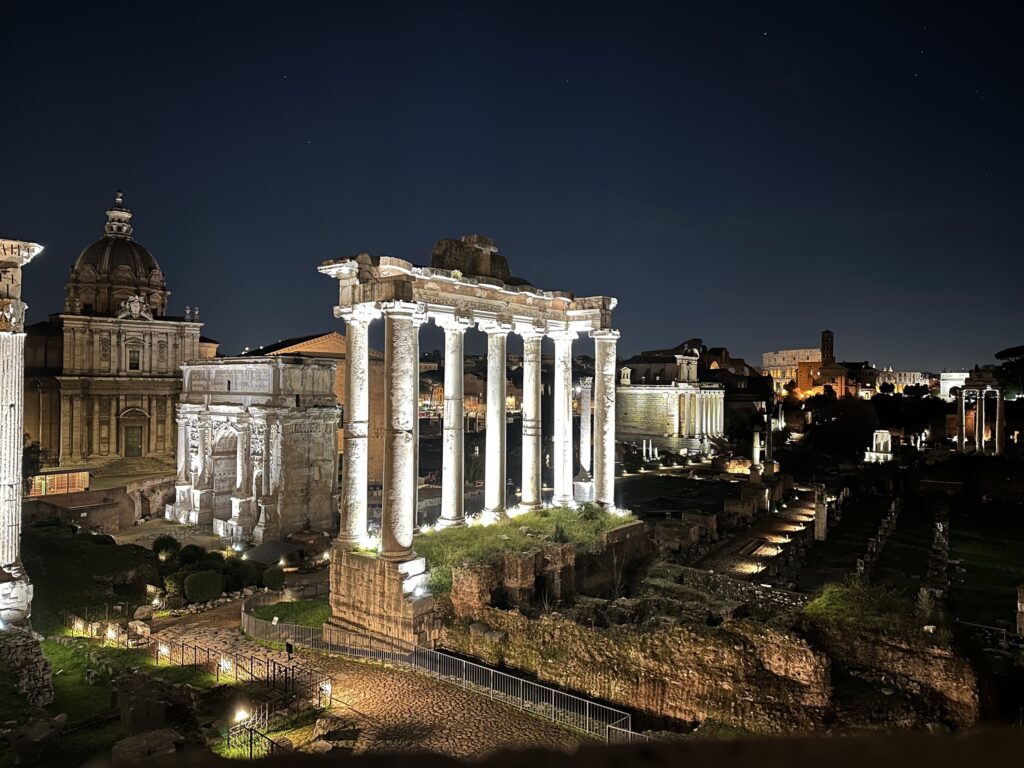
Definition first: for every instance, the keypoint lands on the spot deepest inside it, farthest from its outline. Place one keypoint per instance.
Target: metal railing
(563, 708)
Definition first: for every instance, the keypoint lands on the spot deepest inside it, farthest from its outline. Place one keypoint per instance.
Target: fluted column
(605, 343)
(1000, 418)
(352, 530)
(95, 424)
(698, 426)
(531, 494)
(16, 597)
(563, 418)
(243, 463)
(401, 394)
(961, 421)
(586, 397)
(495, 489)
(453, 480)
(183, 452)
(979, 422)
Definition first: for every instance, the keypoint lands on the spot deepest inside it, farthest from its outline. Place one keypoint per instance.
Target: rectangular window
(134, 357)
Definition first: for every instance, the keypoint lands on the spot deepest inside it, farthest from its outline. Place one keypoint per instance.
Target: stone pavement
(391, 710)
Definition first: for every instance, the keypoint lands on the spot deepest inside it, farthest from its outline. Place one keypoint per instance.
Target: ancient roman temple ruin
(15, 588)
(468, 285)
(988, 437)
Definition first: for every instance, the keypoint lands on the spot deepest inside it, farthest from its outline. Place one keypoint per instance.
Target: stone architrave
(15, 587)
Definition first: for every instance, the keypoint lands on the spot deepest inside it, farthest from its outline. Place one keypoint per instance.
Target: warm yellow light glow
(163, 650)
(241, 716)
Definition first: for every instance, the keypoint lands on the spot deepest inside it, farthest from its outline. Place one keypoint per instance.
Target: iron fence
(558, 706)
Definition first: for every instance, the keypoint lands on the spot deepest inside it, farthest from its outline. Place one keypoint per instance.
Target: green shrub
(248, 573)
(166, 547)
(559, 535)
(191, 553)
(273, 577)
(213, 561)
(174, 584)
(203, 586)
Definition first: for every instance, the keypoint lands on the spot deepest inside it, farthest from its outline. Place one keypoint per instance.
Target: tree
(1011, 372)
(887, 388)
(204, 586)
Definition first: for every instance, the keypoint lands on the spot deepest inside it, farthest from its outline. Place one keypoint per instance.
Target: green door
(132, 441)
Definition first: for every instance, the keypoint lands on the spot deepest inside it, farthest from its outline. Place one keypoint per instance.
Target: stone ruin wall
(22, 660)
(742, 674)
(741, 591)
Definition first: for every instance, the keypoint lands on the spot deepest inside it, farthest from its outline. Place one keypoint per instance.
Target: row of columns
(703, 413)
(979, 420)
(401, 363)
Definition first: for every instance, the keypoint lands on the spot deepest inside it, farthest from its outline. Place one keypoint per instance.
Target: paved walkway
(389, 710)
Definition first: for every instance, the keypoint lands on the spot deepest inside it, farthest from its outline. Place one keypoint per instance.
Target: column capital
(415, 311)
(453, 323)
(605, 334)
(586, 381)
(358, 313)
(494, 327)
(530, 332)
(563, 334)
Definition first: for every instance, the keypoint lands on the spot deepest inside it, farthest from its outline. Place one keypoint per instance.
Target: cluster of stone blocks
(21, 657)
(865, 565)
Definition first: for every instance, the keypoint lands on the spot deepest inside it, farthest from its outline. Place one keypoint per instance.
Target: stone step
(413, 567)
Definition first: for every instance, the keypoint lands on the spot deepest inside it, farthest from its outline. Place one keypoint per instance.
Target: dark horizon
(747, 178)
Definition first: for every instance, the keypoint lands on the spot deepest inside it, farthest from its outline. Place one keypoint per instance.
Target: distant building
(102, 378)
(665, 403)
(902, 379)
(783, 365)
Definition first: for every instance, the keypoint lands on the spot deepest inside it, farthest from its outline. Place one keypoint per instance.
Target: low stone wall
(734, 589)
(107, 511)
(907, 664)
(741, 674)
(21, 659)
(607, 572)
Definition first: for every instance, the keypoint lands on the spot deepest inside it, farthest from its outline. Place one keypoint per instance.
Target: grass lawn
(306, 613)
(994, 567)
(869, 608)
(451, 547)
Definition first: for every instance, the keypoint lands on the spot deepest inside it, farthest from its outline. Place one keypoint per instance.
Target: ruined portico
(978, 388)
(467, 286)
(257, 447)
(15, 588)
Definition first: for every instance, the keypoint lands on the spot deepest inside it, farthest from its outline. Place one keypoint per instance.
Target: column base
(563, 501)
(445, 522)
(402, 556)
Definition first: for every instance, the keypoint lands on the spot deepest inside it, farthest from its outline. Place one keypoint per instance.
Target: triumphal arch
(257, 447)
(467, 285)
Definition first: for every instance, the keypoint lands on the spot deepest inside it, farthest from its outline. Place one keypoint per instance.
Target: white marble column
(563, 418)
(979, 422)
(961, 421)
(453, 481)
(352, 530)
(531, 497)
(243, 464)
(605, 342)
(15, 588)
(401, 371)
(698, 426)
(1000, 418)
(586, 397)
(495, 488)
(183, 452)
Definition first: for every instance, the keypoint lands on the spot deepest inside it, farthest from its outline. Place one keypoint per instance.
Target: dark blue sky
(746, 173)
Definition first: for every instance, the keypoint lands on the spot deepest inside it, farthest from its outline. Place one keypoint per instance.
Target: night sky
(748, 174)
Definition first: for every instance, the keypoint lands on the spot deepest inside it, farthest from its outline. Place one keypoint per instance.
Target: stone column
(168, 416)
(961, 421)
(15, 588)
(586, 449)
(563, 418)
(453, 467)
(401, 393)
(605, 342)
(684, 427)
(495, 489)
(352, 530)
(698, 425)
(183, 452)
(243, 465)
(531, 497)
(1000, 419)
(979, 422)
(95, 424)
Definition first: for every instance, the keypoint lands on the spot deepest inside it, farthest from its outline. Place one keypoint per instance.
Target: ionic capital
(605, 334)
(495, 327)
(563, 335)
(414, 310)
(358, 313)
(453, 323)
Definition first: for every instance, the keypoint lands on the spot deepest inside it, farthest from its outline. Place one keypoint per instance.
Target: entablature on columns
(446, 293)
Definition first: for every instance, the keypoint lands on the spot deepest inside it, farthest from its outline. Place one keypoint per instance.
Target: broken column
(15, 588)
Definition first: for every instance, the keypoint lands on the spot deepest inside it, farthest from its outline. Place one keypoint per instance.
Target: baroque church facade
(103, 377)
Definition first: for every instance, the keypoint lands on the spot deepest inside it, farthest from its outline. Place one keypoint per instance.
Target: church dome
(114, 269)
